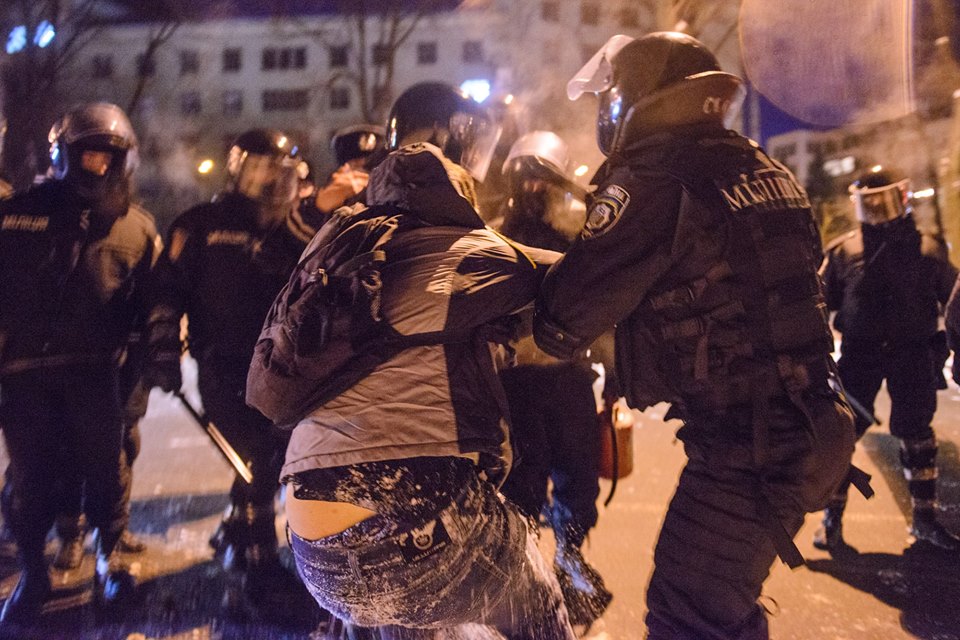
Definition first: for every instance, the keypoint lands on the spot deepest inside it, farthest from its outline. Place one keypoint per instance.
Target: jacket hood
(419, 180)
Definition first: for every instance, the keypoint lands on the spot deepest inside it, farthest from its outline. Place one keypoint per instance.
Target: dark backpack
(324, 331)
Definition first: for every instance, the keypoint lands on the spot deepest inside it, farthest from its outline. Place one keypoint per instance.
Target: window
(550, 10)
(426, 53)
(282, 59)
(146, 67)
(589, 13)
(232, 60)
(380, 54)
(339, 57)
(232, 103)
(102, 66)
(629, 17)
(473, 51)
(190, 103)
(286, 99)
(339, 98)
(189, 62)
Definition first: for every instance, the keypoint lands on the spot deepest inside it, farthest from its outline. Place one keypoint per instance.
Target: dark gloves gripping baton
(223, 445)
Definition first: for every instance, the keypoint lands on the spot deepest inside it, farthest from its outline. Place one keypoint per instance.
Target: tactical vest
(741, 313)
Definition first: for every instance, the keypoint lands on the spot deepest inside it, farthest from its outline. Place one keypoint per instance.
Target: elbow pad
(553, 339)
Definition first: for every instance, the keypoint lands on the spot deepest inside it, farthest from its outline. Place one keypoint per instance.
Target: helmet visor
(268, 179)
(877, 205)
(597, 75)
(478, 137)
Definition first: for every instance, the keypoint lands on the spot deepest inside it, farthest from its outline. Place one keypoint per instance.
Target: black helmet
(357, 143)
(880, 195)
(93, 146)
(660, 80)
(438, 113)
(263, 166)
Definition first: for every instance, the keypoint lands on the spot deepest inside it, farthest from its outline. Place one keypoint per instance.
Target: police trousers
(716, 545)
(475, 562)
(51, 419)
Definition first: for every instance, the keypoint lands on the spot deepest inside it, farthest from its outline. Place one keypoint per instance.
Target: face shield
(269, 180)
(877, 205)
(477, 136)
(597, 76)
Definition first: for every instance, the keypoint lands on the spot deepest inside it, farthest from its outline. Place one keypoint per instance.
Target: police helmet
(440, 114)
(357, 144)
(660, 80)
(880, 195)
(263, 165)
(94, 146)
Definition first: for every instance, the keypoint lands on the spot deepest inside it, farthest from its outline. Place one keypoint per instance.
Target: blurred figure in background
(356, 149)
(887, 282)
(553, 412)
(75, 256)
(225, 262)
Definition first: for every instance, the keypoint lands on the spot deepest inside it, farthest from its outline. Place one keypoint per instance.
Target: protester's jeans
(476, 562)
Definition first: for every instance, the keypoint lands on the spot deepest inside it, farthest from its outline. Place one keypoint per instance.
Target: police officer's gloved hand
(163, 371)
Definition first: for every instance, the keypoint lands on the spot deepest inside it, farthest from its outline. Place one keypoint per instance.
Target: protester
(392, 496)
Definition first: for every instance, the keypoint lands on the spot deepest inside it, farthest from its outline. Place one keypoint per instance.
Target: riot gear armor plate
(438, 113)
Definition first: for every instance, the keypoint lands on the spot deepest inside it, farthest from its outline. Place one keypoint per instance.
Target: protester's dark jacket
(72, 283)
(887, 283)
(703, 252)
(222, 270)
(452, 280)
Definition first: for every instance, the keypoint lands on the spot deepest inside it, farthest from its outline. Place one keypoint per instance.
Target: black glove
(163, 371)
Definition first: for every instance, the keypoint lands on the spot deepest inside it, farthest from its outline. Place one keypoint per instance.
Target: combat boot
(70, 554)
(129, 543)
(25, 603)
(113, 583)
(926, 528)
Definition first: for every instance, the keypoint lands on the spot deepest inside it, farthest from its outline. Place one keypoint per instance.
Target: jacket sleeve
(623, 249)
(952, 319)
(171, 284)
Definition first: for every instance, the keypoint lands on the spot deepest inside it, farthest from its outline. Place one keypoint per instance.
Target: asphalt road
(889, 591)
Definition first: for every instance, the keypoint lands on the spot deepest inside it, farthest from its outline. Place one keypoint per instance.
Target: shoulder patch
(605, 211)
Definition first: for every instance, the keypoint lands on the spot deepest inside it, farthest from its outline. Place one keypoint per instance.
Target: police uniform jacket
(887, 283)
(703, 252)
(223, 271)
(72, 283)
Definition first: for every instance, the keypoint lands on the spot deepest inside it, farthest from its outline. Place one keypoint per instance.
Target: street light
(205, 167)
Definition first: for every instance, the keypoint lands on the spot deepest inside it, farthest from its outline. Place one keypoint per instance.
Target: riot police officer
(553, 416)
(74, 258)
(703, 252)
(356, 149)
(887, 282)
(225, 262)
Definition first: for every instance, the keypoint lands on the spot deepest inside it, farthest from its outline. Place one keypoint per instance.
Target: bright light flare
(924, 193)
(581, 170)
(205, 167)
(478, 89)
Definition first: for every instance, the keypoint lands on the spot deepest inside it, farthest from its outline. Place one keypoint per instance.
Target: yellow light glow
(282, 141)
(876, 168)
(581, 170)
(205, 167)
(508, 99)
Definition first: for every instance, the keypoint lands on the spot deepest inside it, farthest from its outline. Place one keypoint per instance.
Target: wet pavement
(887, 591)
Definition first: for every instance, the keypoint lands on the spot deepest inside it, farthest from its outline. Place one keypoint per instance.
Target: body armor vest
(741, 313)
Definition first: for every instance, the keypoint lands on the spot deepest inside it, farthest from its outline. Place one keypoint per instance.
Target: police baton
(223, 445)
